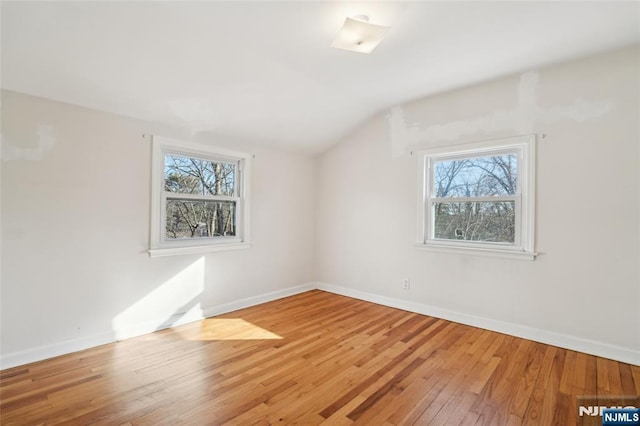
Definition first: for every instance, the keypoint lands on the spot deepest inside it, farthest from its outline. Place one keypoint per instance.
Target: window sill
(506, 254)
(174, 251)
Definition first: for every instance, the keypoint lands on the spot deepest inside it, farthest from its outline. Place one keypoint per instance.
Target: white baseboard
(40, 353)
(543, 336)
(565, 341)
(132, 330)
(257, 300)
(55, 349)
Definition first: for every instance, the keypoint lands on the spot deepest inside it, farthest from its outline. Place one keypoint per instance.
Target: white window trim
(524, 246)
(158, 247)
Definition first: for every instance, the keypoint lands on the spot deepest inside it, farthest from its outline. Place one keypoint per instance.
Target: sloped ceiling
(264, 71)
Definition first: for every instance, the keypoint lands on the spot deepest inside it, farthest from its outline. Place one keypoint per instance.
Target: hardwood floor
(309, 359)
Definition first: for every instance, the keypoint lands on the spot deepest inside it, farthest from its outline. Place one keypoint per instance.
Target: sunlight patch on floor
(226, 329)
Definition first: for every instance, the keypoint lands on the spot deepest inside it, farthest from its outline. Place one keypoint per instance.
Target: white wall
(75, 230)
(583, 291)
(75, 220)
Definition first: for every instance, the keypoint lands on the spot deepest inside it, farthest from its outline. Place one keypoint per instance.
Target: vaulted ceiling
(264, 71)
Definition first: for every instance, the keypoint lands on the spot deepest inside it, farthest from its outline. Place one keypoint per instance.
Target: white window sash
(197, 197)
(490, 199)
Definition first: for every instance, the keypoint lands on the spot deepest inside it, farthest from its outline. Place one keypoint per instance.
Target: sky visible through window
(475, 220)
(197, 176)
(198, 217)
(476, 177)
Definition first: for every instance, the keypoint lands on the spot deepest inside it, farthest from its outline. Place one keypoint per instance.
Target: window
(479, 197)
(199, 198)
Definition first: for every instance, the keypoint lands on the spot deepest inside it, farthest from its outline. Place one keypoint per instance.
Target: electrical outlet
(405, 283)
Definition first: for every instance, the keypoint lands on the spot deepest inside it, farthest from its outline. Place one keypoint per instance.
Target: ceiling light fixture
(358, 35)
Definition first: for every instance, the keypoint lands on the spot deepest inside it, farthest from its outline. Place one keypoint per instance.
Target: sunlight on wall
(226, 329)
(176, 301)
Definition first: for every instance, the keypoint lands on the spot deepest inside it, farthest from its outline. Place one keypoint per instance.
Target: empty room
(372, 213)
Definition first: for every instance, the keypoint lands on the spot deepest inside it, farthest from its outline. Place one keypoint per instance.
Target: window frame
(523, 245)
(161, 246)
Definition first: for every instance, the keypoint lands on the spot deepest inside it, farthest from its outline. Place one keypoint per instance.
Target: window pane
(476, 177)
(200, 219)
(475, 221)
(197, 176)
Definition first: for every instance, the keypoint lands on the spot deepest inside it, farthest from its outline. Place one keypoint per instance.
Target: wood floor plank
(314, 358)
(527, 379)
(534, 411)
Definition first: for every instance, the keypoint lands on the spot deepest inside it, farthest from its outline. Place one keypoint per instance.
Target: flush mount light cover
(358, 35)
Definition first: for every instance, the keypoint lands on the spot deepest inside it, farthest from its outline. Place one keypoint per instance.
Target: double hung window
(199, 198)
(480, 197)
